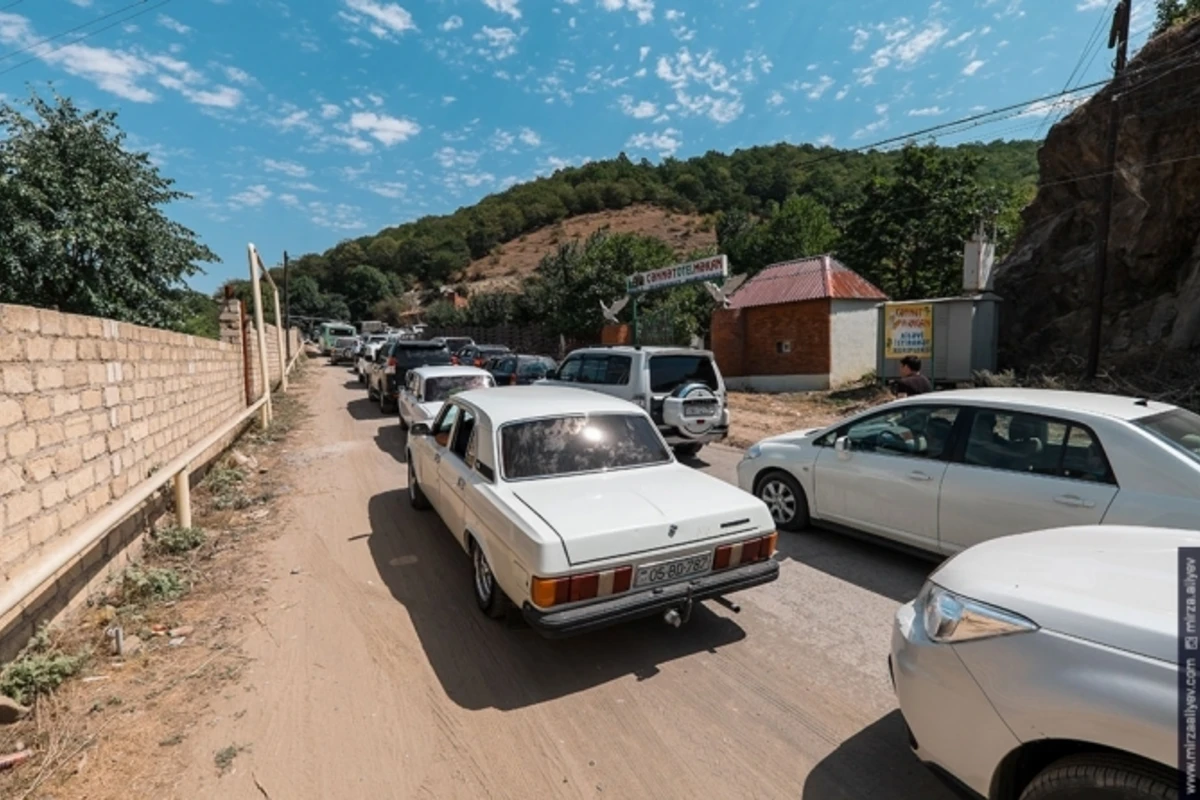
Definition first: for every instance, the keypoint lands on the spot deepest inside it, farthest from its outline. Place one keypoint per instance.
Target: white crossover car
(366, 354)
(426, 389)
(574, 510)
(947, 470)
(1045, 666)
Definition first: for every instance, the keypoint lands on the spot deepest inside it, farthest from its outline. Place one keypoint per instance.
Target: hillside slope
(1153, 287)
(509, 263)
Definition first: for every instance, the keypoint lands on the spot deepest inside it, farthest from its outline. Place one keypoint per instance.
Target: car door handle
(917, 475)
(1074, 500)
(462, 483)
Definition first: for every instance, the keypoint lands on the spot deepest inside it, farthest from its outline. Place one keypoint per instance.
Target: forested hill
(755, 182)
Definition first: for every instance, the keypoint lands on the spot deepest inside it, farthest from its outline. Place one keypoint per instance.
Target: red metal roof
(817, 278)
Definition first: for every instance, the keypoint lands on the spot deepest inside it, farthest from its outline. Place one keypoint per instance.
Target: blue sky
(298, 123)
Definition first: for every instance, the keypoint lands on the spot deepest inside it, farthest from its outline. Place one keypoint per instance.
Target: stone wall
(89, 408)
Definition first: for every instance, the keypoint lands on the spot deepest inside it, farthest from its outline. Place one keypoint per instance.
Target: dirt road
(375, 676)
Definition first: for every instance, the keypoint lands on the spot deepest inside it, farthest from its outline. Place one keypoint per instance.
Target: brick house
(798, 326)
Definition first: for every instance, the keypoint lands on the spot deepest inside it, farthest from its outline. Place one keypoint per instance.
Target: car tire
(785, 499)
(685, 451)
(384, 406)
(1101, 777)
(488, 594)
(415, 496)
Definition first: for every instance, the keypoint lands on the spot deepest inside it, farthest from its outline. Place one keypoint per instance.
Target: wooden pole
(264, 365)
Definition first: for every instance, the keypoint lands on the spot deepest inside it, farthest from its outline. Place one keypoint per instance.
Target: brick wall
(91, 407)
(744, 340)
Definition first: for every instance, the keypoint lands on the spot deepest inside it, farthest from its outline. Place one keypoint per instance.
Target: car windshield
(669, 372)
(544, 448)
(537, 368)
(1179, 428)
(438, 390)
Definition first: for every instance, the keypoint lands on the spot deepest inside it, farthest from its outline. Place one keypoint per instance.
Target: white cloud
(304, 186)
(861, 38)
(293, 117)
(1044, 108)
(290, 200)
(504, 7)
(375, 99)
(816, 90)
(643, 8)
(453, 23)
(962, 37)
(642, 53)
(340, 217)
(170, 23)
(82, 3)
(501, 41)
(530, 138)
(721, 102)
(390, 189)
(449, 157)
(502, 140)
(386, 129)
(776, 98)
(841, 95)
(665, 142)
(674, 14)
(330, 110)
(931, 111)
(1091, 5)
(251, 197)
(640, 110)
(448, 99)
(289, 168)
(827, 140)
(906, 45)
(382, 19)
(973, 67)
(870, 128)
(239, 76)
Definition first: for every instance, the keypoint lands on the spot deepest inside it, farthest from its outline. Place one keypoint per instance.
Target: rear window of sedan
(1179, 428)
(556, 446)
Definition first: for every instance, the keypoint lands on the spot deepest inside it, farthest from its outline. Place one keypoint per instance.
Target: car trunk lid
(638, 511)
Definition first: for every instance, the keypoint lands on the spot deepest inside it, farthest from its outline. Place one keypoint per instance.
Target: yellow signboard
(908, 330)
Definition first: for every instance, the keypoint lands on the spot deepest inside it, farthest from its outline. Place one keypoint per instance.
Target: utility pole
(287, 308)
(1118, 37)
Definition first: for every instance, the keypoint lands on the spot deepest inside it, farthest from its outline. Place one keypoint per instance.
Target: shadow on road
(482, 663)
(354, 384)
(364, 408)
(393, 440)
(866, 563)
(875, 762)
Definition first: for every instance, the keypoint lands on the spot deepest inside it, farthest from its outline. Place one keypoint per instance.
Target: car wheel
(488, 594)
(685, 451)
(1101, 777)
(785, 499)
(415, 496)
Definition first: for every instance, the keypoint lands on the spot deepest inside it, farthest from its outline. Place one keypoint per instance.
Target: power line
(87, 35)
(70, 30)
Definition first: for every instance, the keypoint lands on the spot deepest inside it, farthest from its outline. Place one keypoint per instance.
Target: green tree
(800, 227)
(201, 314)
(365, 286)
(908, 232)
(81, 222)
(1173, 12)
(443, 314)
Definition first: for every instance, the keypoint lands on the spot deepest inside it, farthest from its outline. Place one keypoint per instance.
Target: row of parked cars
(1040, 662)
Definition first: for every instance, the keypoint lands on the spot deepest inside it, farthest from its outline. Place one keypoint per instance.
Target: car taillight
(391, 366)
(547, 592)
(728, 556)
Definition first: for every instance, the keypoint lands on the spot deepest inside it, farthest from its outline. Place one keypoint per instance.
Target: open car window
(571, 445)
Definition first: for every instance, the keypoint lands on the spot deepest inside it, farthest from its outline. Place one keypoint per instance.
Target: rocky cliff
(1153, 300)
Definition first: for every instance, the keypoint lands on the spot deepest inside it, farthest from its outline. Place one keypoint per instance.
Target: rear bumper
(574, 621)
(717, 434)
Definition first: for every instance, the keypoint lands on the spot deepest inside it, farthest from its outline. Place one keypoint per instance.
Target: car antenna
(1142, 401)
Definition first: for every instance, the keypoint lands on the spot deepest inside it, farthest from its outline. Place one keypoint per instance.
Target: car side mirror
(418, 429)
(842, 446)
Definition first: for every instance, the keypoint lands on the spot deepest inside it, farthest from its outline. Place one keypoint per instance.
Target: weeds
(176, 540)
(40, 668)
(225, 756)
(152, 583)
(225, 483)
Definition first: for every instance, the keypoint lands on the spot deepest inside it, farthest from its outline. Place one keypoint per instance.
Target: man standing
(911, 382)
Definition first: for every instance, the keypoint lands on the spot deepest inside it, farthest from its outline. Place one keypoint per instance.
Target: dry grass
(756, 416)
(503, 269)
(113, 731)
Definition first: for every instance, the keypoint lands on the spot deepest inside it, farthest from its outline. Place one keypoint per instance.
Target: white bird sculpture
(610, 312)
(721, 294)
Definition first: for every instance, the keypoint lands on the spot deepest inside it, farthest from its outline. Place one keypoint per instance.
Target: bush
(226, 485)
(39, 668)
(152, 583)
(176, 540)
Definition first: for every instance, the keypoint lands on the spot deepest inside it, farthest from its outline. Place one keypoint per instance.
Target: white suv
(680, 387)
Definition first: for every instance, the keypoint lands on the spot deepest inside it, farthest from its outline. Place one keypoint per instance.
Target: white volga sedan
(426, 389)
(947, 470)
(572, 508)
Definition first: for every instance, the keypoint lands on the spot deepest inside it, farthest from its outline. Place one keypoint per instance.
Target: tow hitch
(675, 616)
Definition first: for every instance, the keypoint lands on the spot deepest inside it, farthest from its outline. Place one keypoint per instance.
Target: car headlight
(754, 451)
(950, 618)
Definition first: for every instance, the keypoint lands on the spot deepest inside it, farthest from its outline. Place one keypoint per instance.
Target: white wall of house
(854, 339)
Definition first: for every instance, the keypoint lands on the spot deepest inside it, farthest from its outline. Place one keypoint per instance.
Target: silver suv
(680, 387)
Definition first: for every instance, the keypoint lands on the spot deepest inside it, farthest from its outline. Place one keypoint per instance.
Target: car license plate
(672, 570)
(699, 409)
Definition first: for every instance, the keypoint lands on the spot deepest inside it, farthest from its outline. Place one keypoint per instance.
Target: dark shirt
(912, 385)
